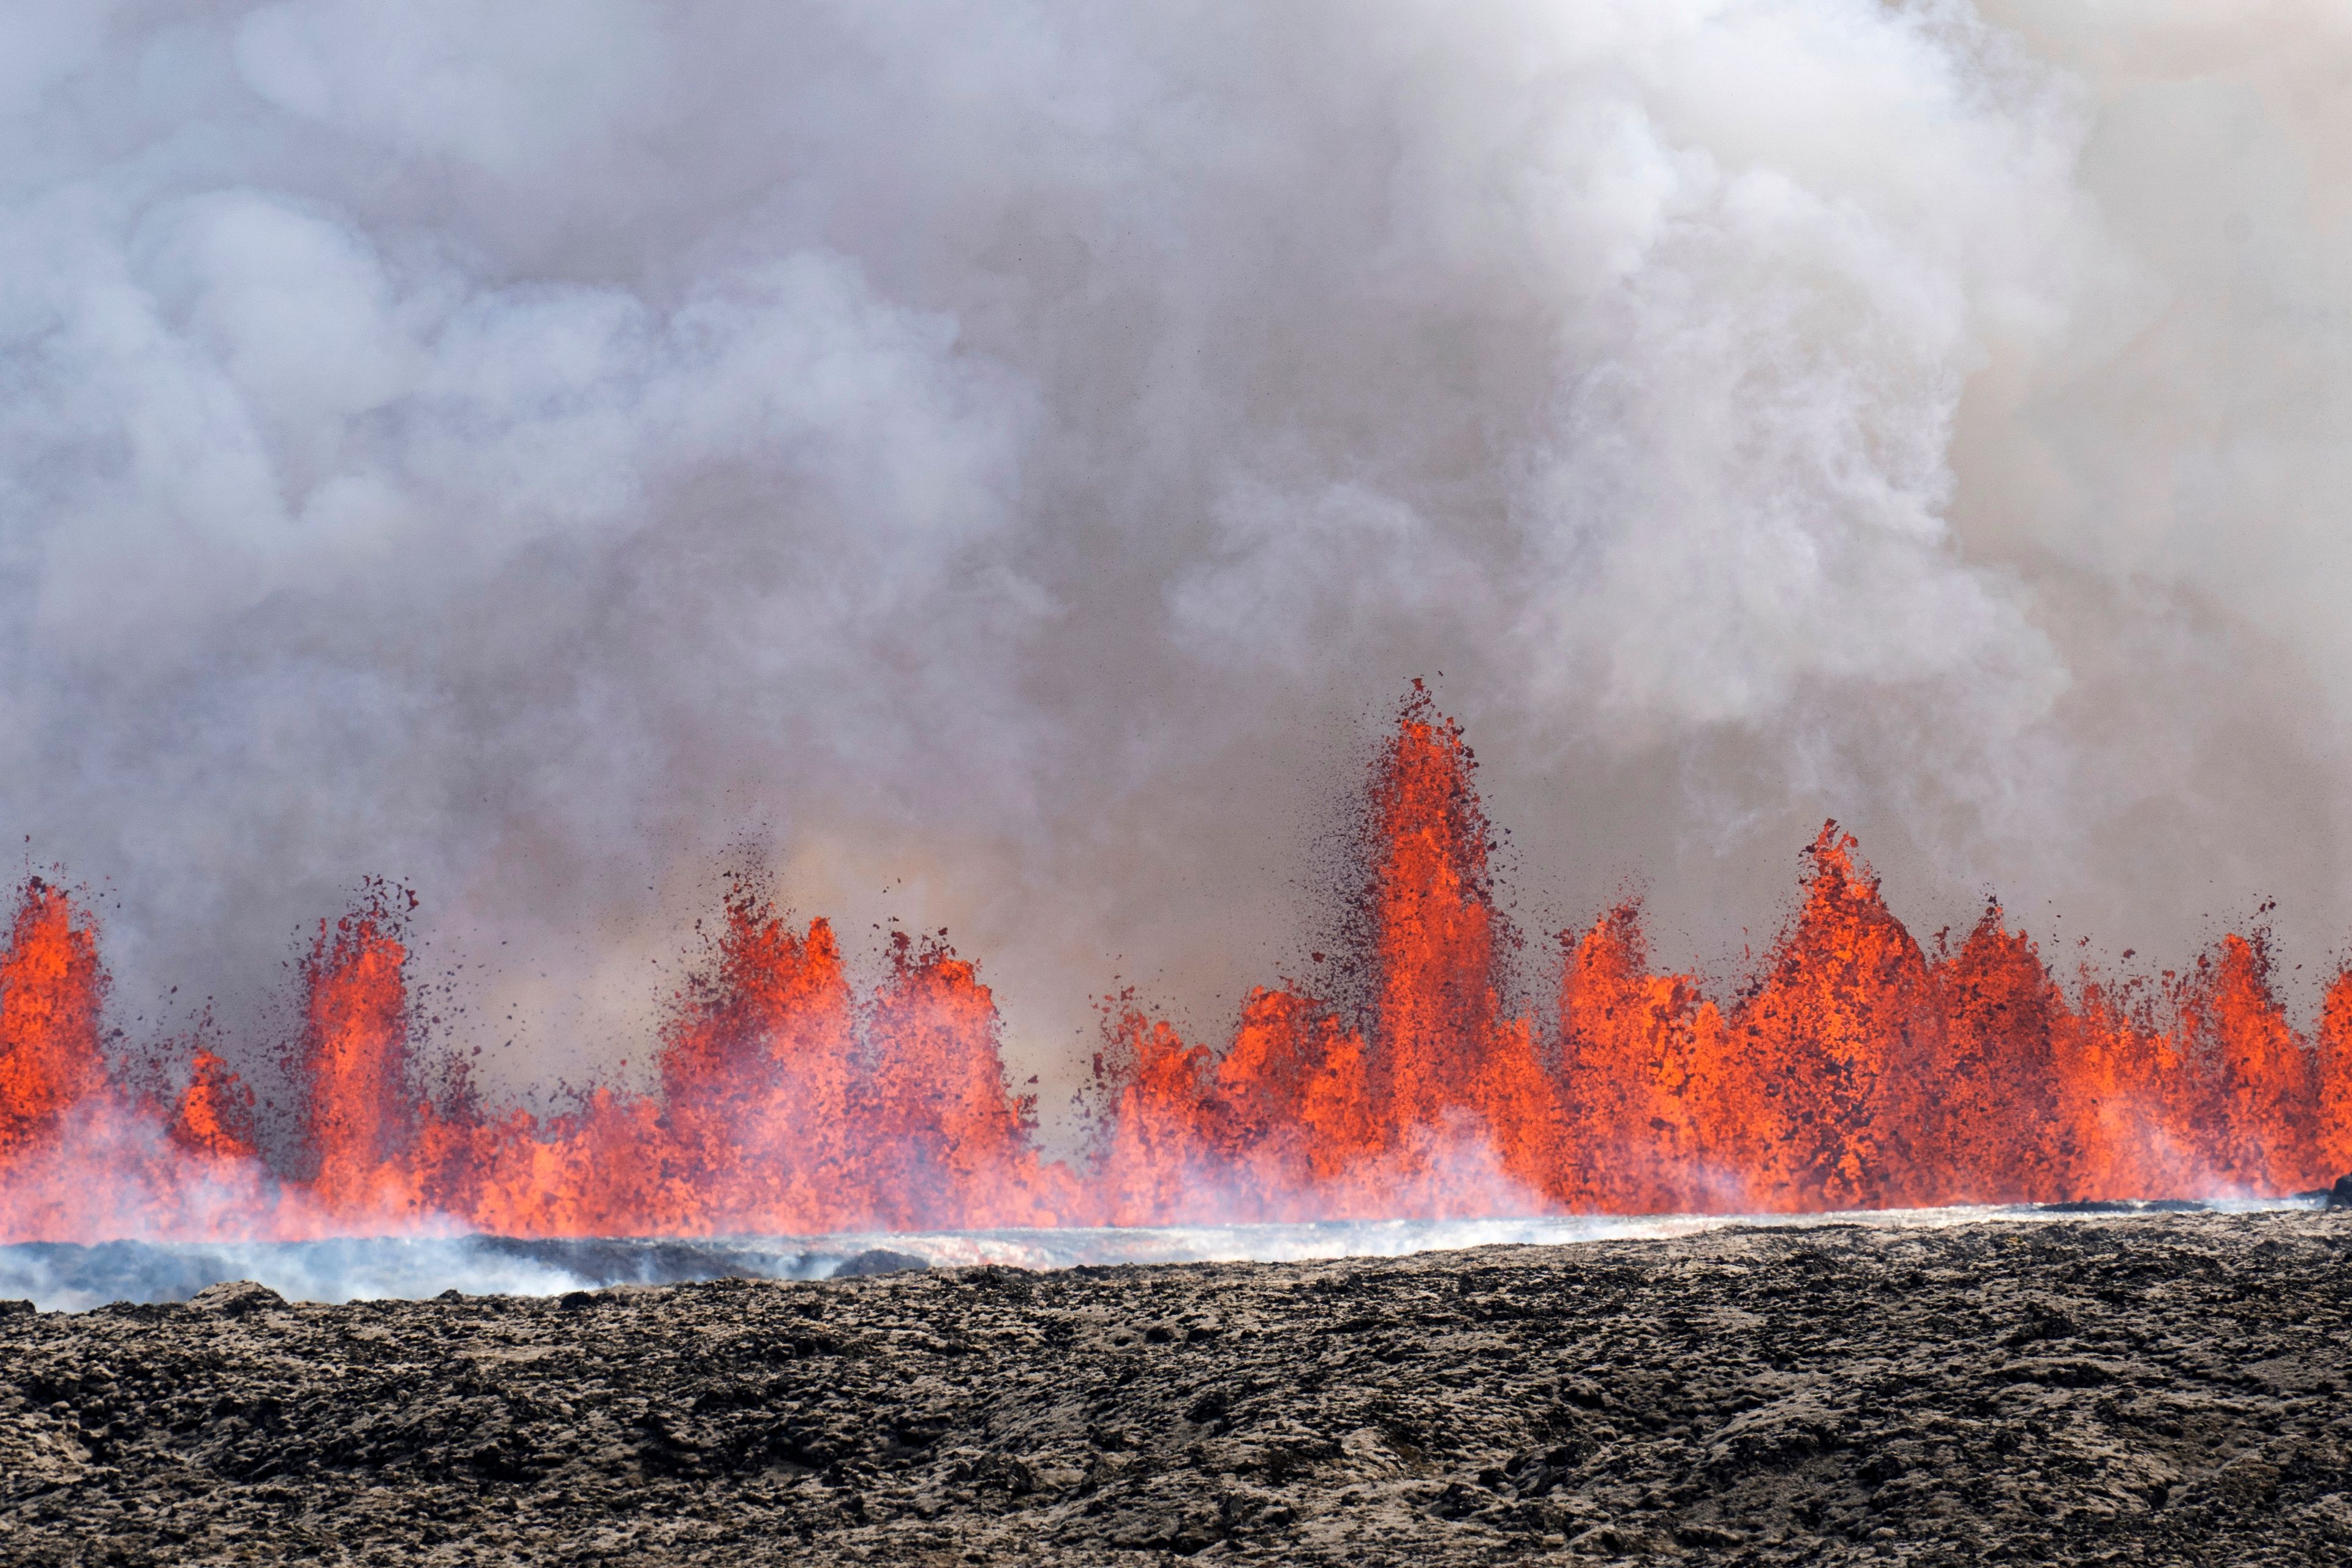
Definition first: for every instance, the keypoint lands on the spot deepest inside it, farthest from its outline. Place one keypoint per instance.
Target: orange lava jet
(1851, 1069)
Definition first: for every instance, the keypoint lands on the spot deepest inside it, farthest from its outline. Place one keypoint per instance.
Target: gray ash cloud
(997, 459)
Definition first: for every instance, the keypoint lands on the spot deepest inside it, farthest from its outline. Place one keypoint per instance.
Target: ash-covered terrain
(2149, 1389)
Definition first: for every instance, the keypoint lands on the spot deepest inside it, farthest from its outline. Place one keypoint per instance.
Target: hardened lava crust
(2151, 1389)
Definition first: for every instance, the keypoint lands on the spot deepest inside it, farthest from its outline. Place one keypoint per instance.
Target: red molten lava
(1850, 1069)
(51, 994)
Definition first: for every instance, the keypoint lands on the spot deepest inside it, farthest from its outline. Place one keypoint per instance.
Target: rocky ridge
(2153, 1389)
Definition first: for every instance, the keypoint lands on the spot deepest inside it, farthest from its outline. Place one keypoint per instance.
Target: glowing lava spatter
(1851, 1069)
(355, 1050)
(51, 993)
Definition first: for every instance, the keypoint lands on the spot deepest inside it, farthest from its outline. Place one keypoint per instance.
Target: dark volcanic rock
(2339, 1196)
(2143, 1389)
(878, 1260)
(243, 1298)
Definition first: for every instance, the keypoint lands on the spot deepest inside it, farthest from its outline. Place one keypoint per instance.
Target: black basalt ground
(2146, 1389)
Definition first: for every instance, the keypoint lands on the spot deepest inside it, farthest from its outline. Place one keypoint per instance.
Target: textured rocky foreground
(2144, 1390)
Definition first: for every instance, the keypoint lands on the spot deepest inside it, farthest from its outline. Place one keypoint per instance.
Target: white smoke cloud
(996, 458)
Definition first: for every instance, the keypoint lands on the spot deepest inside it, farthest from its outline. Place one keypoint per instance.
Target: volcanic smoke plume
(991, 467)
(1850, 1069)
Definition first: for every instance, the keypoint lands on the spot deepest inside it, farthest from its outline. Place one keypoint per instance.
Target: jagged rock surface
(2149, 1390)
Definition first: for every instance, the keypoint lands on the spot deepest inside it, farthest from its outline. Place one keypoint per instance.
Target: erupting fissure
(1854, 1070)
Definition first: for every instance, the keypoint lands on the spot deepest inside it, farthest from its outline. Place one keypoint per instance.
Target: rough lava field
(2144, 1388)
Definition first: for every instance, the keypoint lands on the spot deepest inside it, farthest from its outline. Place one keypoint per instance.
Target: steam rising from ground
(71, 1277)
(994, 458)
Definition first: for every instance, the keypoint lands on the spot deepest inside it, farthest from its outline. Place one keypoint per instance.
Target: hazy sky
(999, 466)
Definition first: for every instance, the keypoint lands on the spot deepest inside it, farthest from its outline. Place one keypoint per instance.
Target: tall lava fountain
(1849, 1069)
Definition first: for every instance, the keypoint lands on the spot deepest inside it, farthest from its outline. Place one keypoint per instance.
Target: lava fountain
(1851, 1069)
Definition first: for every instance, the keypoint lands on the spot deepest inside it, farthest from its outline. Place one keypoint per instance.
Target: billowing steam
(990, 459)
